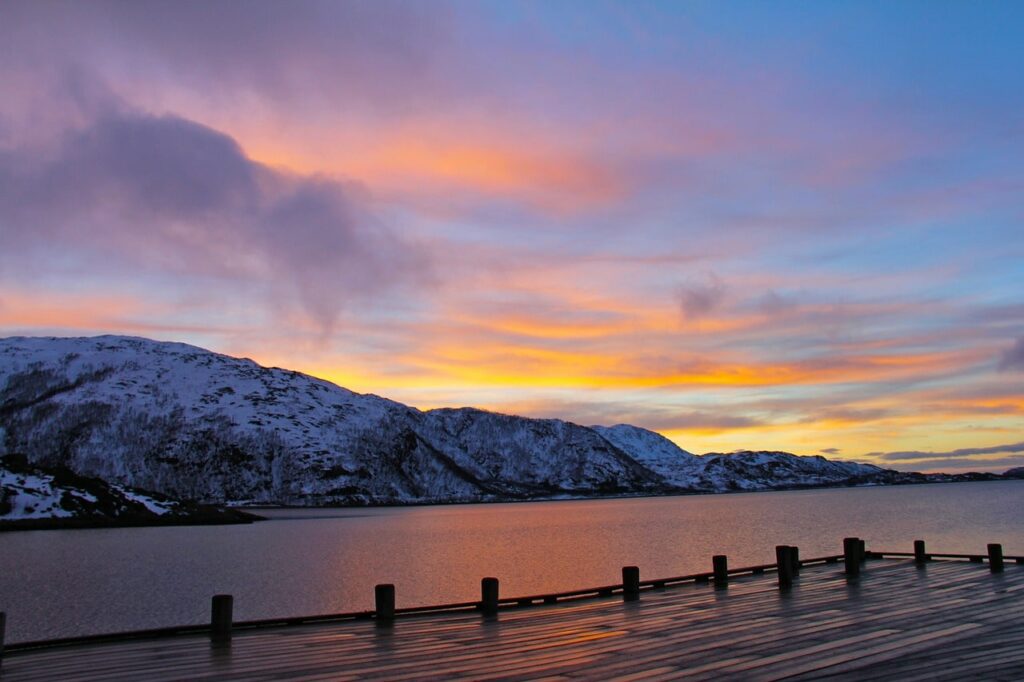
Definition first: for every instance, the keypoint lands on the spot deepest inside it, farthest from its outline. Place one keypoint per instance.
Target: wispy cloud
(956, 465)
(1013, 359)
(664, 419)
(962, 452)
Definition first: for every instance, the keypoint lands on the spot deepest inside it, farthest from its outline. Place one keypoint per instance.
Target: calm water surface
(59, 583)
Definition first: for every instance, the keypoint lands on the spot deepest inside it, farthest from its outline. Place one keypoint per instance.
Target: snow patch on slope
(654, 451)
(29, 493)
(31, 497)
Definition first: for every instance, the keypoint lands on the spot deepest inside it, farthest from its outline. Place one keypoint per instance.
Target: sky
(745, 225)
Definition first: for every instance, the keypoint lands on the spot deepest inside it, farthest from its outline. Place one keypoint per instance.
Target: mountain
(746, 470)
(191, 424)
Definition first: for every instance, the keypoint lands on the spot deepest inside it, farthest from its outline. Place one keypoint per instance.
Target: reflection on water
(58, 583)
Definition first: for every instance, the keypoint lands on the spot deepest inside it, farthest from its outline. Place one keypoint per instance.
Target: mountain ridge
(193, 424)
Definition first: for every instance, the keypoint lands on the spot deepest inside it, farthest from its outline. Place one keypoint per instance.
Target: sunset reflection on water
(307, 561)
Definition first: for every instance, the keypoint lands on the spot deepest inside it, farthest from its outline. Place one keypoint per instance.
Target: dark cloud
(963, 452)
(1013, 358)
(136, 192)
(830, 451)
(697, 299)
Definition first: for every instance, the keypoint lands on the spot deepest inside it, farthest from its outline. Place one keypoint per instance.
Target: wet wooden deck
(945, 620)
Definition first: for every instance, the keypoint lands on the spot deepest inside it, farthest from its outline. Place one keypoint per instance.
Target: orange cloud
(493, 362)
(27, 311)
(500, 169)
(93, 314)
(425, 161)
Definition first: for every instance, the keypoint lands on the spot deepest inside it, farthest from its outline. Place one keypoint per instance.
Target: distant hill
(195, 425)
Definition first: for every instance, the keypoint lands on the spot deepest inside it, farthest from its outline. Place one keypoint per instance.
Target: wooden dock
(897, 619)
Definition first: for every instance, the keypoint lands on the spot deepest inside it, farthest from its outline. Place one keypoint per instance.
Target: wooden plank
(856, 660)
(825, 625)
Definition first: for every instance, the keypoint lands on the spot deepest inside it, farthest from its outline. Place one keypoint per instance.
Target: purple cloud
(847, 414)
(962, 452)
(1013, 358)
(383, 50)
(167, 194)
(697, 299)
(661, 419)
(997, 465)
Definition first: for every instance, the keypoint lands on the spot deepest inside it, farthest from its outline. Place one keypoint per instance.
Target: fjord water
(307, 561)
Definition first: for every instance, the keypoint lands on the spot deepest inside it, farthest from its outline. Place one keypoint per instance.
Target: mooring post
(220, 617)
(489, 596)
(794, 558)
(630, 582)
(919, 552)
(384, 602)
(720, 565)
(995, 557)
(862, 549)
(851, 556)
(784, 564)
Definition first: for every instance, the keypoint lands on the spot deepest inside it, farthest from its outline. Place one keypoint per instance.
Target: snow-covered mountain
(746, 470)
(193, 424)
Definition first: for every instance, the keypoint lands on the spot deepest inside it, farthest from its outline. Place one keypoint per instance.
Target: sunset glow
(785, 226)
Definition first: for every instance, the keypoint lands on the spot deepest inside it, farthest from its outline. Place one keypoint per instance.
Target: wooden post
(995, 558)
(919, 552)
(489, 596)
(720, 565)
(220, 617)
(384, 602)
(794, 557)
(784, 564)
(851, 556)
(630, 582)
